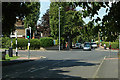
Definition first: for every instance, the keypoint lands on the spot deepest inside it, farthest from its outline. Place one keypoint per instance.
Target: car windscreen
(87, 45)
(77, 44)
(93, 43)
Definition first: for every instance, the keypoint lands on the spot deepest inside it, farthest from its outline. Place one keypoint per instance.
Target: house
(19, 25)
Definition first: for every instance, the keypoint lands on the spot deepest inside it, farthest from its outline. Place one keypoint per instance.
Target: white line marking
(94, 76)
(47, 66)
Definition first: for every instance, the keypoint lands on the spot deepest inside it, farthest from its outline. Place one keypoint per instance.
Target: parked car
(94, 45)
(87, 46)
(78, 45)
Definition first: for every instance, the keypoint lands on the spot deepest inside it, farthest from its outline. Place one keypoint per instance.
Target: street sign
(15, 35)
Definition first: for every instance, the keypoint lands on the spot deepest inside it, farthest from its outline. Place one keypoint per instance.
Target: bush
(46, 41)
(114, 45)
(35, 44)
(6, 42)
(23, 43)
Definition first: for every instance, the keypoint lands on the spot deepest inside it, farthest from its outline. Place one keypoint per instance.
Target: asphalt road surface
(58, 64)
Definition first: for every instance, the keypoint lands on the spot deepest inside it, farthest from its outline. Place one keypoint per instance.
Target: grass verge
(9, 58)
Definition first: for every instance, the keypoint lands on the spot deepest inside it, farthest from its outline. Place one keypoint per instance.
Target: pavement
(108, 68)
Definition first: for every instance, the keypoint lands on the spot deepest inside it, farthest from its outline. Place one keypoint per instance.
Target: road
(58, 64)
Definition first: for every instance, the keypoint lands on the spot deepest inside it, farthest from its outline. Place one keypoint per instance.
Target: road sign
(15, 35)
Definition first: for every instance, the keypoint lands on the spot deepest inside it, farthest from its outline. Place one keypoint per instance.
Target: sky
(45, 4)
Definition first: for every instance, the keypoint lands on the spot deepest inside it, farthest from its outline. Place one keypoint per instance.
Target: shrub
(35, 44)
(46, 41)
(6, 42)
(23, 43)
(114, 45)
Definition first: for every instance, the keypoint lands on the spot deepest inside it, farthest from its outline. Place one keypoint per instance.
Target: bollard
(3, 55)
(10, 52)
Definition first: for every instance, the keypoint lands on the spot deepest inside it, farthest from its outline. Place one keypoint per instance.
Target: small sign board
(15, 35)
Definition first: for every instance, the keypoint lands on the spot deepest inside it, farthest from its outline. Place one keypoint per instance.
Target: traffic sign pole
(16, 43)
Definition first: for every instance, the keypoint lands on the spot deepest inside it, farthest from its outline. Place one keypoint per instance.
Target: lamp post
(59, 28)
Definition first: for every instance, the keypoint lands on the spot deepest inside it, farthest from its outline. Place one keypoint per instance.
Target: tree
(45, 23)
(70, 24)
(33, 16)
(111, 22)
(11, 10)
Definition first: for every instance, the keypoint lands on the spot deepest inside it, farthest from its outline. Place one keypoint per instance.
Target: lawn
(9, 58)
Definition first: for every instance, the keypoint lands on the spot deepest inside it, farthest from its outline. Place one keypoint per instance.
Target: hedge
(46, 41)
(6, 42)
(23, 43)
(34, 44)
(114, 45)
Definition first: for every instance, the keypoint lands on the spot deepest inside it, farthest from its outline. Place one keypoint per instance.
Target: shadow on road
(50, 69)
(6, 63)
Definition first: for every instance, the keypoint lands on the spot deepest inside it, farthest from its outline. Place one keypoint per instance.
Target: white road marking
(47, 66)
(94, 76)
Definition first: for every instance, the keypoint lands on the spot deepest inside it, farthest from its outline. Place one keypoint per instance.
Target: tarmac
(107, 69)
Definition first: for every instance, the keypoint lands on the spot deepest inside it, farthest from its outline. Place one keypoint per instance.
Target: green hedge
(23, 43)
(34, 44)
(114, 45)
(46, 41)
(6, 42)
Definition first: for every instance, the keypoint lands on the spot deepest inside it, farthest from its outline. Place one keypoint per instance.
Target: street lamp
(59, 28)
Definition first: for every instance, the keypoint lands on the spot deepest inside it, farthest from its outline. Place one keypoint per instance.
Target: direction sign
(15, 35)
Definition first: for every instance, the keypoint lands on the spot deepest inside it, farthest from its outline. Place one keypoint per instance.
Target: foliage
(5, 42)
(45, 26)
(35, 44)
(32, 17)
(46, 42)
(114, 45)
(11, 10)
(71, 23)
(23, 43)
(111, 22)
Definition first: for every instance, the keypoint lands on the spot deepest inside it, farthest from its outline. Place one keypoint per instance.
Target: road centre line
(94, 76)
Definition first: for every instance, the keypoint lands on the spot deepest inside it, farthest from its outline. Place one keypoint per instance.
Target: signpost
(16, 40)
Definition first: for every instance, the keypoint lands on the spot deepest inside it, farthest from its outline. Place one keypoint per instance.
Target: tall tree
(89, 10)
(111, 22)
(32, 18)
(11, 10)
(45, 23)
